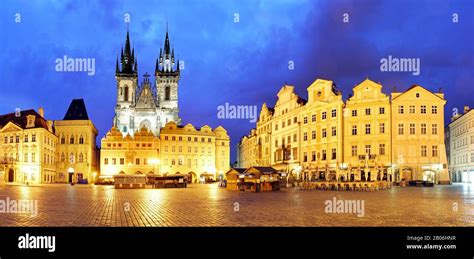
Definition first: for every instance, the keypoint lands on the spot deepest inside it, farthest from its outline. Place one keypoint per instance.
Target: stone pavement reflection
(209, 205)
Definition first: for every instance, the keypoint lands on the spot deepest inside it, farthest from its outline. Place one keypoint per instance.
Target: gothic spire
(167, 44)
(117, 70)
(135, 69)
(177, 66)
(127, 58)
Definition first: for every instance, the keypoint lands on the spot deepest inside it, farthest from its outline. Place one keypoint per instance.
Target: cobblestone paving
(209, 205)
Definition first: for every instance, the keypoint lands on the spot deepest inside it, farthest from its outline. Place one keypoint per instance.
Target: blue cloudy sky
(242, 63)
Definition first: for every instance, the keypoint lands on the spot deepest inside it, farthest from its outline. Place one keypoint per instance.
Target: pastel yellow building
(285, 135)
(369, 138)
(77, 149)
(201, 154)
(418, 148)
(27, 148)
(367, 133)
(247, 150)
(322, 132)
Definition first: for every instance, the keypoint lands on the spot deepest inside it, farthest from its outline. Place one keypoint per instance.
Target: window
(400, 109)
(400, 129)
(411, 108)
(26, 138)
(167, 93)
(367, 129)
(289, 122)
(180, 161)
(323, 115)
(313, 118)
(81, 140)
(137, 161)
(25, 157)
(354, 130)
(276, 143)
(313, 134)
(323, 154)
(71, 140)
(6, 140)
(33, 138)
(367, 111)
(354, 150)
(305, 157)
(294, 138)
(145, 161)
(305, 136)
(81, 158)
(382, 128)
(472, 157)
(367, 149)
(423, 109)
(412, 128)
(423, 129)
(282, 124)
(333, 113)
(423, 151)
(313, 156)
(189, 149)
(333, 153)
(333, 131)
(173, 138)
(382, 110)
(434, 129)
(382, 149)
(276, 126)
(173, 161)
(173, 149)
(305, 120)
(189, 138)
(11, 139)
(33, 157)
(114, 161)
(63, 158)
(324, 133)
(295, 120)
(354, 113)
(434, 151)
(434, 109)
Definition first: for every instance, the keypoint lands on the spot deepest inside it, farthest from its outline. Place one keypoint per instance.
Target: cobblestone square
(209, 205)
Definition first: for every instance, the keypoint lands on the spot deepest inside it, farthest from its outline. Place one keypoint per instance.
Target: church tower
(127, 83)
(166, 81)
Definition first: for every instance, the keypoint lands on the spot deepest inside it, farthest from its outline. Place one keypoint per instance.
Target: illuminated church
(149, 104)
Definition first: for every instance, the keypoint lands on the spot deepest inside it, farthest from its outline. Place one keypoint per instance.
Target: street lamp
(154, 161)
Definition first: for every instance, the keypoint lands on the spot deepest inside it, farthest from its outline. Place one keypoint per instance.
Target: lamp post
(154, 161)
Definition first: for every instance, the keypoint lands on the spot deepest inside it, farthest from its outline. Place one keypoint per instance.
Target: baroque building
(150, 105)
(461, 147)
(198, 153)
(27, 148)
(367, 138)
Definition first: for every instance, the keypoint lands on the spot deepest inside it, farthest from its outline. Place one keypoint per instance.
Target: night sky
(242, 63)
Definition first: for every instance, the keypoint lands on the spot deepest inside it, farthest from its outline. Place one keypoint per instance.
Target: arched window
(81, 139)
(81, 158)
(125, 97)
(63, 140)
(167, 93)
(71, 139)
(63, 157)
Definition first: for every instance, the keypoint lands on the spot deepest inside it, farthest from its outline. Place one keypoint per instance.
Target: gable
(417, 92)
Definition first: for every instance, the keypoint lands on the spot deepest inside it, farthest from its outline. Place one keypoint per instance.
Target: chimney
(466, 109)
(50, 125)
(41, 111)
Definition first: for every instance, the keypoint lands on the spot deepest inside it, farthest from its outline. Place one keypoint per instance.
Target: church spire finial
(117, 70)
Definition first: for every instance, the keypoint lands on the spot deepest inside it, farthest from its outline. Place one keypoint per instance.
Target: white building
(146, 105)
(461, 150)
